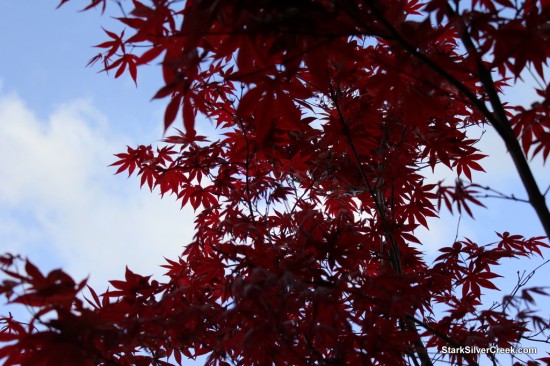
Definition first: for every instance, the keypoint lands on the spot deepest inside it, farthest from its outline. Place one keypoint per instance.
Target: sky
(61, 123)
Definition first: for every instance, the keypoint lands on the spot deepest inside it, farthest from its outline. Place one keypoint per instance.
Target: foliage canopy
(332, 115)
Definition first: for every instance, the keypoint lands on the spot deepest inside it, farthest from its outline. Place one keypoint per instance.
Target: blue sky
(61, 123)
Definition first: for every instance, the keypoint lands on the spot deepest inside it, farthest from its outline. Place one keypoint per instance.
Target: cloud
(60, 204)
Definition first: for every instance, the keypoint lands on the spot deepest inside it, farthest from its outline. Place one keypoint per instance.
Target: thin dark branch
(523, 279)
(247, 172)
(457, 228)
(374, 191)
(546, 341)
(511, 198)
(501, 124)
(437, 334)
(500, 195)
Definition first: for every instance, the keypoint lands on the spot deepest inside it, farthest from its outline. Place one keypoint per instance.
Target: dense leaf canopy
(331, 117)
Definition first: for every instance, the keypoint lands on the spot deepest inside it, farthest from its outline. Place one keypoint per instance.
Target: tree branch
(501, 124)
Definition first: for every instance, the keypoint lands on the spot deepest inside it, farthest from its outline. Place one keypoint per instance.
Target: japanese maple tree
(331, 117)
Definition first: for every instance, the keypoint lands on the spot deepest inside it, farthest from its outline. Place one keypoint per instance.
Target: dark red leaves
(11, 329)
(189, 116)
(468, 163)
(328, 116)
(92, 4)
(53, 290)
(532, 126)
(511, 41)
(461, 195)
(172, 110)
(133, 287)
(473, 282)
(520, 245)
(113, 46)
(150, 55)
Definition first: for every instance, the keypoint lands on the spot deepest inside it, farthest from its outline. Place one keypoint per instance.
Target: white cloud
(60, 204)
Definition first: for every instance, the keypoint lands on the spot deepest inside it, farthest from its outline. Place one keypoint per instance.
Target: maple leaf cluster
(331, 115)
